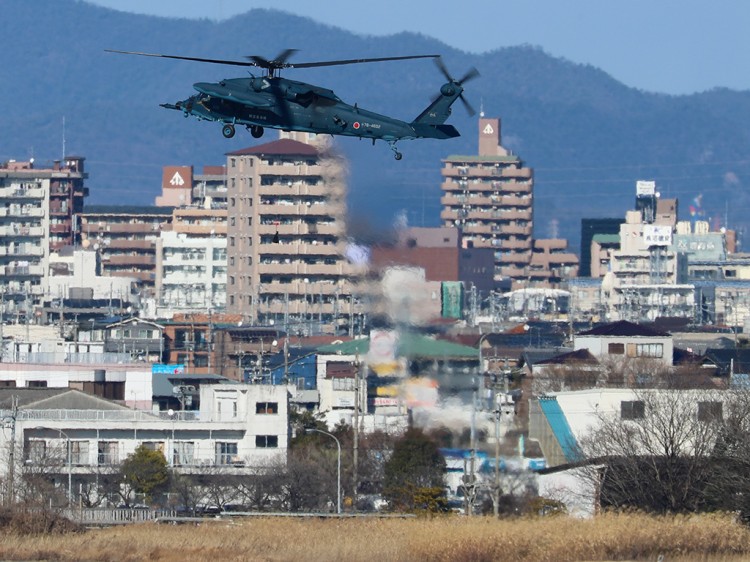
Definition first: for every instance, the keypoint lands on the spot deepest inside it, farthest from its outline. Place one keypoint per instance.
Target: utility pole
(9, 495)
(355, 441)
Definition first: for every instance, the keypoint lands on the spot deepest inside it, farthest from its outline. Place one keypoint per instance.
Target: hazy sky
(670, 46)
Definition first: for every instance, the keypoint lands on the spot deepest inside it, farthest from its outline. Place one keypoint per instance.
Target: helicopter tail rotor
(470, 75)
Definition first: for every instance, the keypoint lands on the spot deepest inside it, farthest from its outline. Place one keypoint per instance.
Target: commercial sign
(177, 177)
(383, 401)
(452, 299)
(643, 187)
(657, 235)
(381, 356)
(167, 369)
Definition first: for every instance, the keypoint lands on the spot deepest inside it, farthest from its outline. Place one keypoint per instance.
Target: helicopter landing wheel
(256, 131)
(228, 131)
(398, 156)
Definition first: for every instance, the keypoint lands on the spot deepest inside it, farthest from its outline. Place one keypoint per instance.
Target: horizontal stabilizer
(435, 131)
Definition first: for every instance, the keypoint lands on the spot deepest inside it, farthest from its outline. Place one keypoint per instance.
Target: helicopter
(270, 101)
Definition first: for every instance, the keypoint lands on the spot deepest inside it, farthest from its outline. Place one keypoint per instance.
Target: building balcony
(25, 250)
(514, 244)
(120, 244)
(19, 193)
(218, 229)
(515, 258)
(299, 228)
(123, 228)
(24, 271)
(450, 215)
(512, 186)
(288, 169)
(514, 272)
(519, 230)
(117, 260)
(25, 212)
(31, 231)
(299, 248)
(60, 228)
(302, 288)
(294, 189)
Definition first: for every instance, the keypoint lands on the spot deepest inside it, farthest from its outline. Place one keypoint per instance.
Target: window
(79, 453)
(108, 452)
(267, 441)
(183, 453)
(154, 446)
(226, 408)
(36, 450)
(616, 349)
(36, 384)
(649, 350)
(632, 410)
(710, 411)
(226, 453)
(266, 407)
(343, 384)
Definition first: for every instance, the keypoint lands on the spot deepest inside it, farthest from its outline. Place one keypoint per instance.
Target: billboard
(167, 369)
(643, 187)
(177, 177)
(381, 356)
(452, 299)
(657, 235)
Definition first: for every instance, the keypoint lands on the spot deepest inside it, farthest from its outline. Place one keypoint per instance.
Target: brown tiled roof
(624, 328)
(281, 147)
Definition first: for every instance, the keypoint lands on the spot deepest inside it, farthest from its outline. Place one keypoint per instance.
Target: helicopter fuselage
(290, 105)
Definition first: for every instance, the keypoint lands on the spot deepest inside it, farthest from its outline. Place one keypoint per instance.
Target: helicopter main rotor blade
(356, 61)
(278, 63)
(196, 59)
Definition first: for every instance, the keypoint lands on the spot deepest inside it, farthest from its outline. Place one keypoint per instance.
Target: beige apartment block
(489, 197)
(286, 236)
(191, 262)
(37, 206)
(125, 238)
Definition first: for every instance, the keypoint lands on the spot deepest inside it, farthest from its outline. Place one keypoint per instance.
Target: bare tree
(659, 452)
(262, 489)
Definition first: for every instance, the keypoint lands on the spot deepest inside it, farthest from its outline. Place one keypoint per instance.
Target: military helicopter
(258, 102)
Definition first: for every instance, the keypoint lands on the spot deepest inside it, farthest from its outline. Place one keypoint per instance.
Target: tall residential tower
(286, 236)
(489, 197)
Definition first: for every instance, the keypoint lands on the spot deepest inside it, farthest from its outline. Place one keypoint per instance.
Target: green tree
(145, 472)
(414, 478)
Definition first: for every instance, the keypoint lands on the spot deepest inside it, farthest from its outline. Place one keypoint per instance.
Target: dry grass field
(455, 539)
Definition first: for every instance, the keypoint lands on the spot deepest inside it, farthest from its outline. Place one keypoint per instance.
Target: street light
(338, 469)
(69, 461)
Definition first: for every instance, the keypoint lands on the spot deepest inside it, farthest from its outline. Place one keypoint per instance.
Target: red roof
(281, 147)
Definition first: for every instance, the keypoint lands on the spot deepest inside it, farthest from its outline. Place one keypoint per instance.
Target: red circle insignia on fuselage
(356, 125)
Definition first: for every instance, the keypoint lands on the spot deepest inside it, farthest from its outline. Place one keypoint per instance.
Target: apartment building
(551, 264)
(285, 239)
(37, 207)
(191, 262)
(126, 240)
(490, 198)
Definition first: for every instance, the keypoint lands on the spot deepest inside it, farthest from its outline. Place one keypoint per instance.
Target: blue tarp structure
(560, 427)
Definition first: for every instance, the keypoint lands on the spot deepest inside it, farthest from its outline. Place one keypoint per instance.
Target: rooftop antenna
(63, 139)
